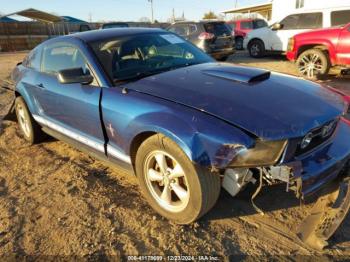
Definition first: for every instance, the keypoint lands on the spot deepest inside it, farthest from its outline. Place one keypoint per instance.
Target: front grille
(319, 136)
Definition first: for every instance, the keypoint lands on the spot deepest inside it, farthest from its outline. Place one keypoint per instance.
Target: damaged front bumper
(323, 164)
(326, 215)
(320, 170)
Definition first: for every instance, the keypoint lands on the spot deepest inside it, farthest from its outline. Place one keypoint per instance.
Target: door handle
(41, 86)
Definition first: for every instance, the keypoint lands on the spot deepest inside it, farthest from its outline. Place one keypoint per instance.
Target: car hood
(270, 106)
(319, 32)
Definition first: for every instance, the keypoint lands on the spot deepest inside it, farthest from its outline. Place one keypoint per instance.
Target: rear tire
(313, 64)
(198, 188)
(256, 48)
(30, 129)
(239, 43)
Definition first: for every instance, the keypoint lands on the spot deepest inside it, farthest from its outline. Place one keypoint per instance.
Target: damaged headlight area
(264, 153)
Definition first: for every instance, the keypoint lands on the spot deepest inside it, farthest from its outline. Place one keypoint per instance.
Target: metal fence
(18, 36)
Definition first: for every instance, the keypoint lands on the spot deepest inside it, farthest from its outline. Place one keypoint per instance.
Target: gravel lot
(55, 200)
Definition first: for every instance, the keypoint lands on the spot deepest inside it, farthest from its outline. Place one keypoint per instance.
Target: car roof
(198, 22)
(244, 20)
(324, 9)
(94, 35)
(114, 23)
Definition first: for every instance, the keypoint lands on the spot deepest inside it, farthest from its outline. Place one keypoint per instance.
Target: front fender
(206, 140)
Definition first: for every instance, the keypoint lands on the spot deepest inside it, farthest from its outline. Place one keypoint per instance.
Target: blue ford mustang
(186, 125)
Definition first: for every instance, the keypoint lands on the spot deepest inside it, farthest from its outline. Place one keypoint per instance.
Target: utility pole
(236, 3)
(151, 1)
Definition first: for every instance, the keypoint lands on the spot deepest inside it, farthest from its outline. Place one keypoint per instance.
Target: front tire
(313, 64)
(172, 185)
(30, 129)
(256, 48)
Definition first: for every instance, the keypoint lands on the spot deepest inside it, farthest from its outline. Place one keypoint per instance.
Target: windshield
(133, 57)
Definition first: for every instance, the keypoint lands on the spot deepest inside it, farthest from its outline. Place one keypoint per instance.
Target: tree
(210, 15)
(144, 20)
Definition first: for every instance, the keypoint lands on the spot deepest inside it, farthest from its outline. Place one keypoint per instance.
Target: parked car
(274, 39)
(213, 37)
(315, 52)
(155, 104)
(240, 28)
(114, 25)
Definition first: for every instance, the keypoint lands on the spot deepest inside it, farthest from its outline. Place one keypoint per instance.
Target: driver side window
(290, 22)
(57, 57)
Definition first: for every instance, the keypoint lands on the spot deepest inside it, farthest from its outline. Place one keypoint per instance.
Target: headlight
(264, 153)
(291, 42)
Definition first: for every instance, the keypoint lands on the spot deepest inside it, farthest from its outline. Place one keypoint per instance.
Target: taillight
(206, 36)
(347, 99)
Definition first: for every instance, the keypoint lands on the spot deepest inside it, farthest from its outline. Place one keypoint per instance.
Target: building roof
(37, 15)
(71, 19)
(250, 8)
(7, 19)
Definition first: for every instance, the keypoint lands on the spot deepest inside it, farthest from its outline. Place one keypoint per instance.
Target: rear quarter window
(179, 29)
(247, 25)
(33, 59)
(340, 17)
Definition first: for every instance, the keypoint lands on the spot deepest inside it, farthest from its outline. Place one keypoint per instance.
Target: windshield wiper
(138, 76)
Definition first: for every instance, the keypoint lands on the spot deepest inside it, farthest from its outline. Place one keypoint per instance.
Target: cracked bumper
(324, 163)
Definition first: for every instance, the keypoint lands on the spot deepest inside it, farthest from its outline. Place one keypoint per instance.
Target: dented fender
(205, 139)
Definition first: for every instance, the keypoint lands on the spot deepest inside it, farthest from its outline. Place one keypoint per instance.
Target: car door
(71, 109)
(343, 48)
(292, 25)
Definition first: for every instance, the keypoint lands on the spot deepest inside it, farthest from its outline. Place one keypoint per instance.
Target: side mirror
(276, 26)
(74, 76)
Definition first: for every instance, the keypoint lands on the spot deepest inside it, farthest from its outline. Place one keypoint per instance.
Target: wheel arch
(255, 39)
(138, 139)
(22, 92)
(323, 46)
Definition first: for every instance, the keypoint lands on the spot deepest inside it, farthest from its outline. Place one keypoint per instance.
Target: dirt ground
(57, 201)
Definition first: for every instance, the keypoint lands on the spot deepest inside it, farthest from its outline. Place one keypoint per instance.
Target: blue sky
(124, 10)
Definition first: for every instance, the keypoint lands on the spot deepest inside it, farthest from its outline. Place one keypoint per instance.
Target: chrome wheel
(311, 65)
(166, 181)
(254, 49)
(23, 120)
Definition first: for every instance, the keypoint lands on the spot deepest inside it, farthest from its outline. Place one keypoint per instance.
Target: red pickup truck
(315, 52)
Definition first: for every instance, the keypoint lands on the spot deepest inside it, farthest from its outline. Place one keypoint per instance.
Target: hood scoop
(239, 74)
